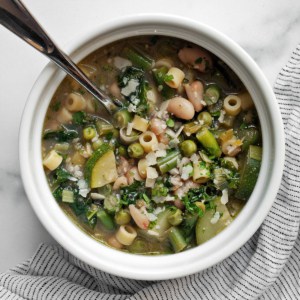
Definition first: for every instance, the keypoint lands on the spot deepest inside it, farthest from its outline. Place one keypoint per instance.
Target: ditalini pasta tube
(75, 102)
(177, 78)
(126, 235)
(148, 140)
(232, 105)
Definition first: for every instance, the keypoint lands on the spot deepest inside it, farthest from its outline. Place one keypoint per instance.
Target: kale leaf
(79, 117)
(62, 135)
(138, 96)
(131, 193)
(204, 192)
(61, 175)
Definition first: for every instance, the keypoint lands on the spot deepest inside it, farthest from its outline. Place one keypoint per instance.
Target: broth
(173, 167)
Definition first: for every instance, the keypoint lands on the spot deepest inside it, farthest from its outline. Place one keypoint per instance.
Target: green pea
(175, 218)
(188, 147)
(205, 117)
(122, 217)
(89, 133)
(170, 123)
(135, 150)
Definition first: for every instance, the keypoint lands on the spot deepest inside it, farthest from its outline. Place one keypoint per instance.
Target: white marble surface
(268, 30)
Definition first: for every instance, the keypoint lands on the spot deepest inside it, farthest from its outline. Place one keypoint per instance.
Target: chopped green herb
(62, 135)
(131, 193)
(168, 78)
(79, 117)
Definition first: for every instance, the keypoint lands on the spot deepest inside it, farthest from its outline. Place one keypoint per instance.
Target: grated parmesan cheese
(131, 108)
(130, 87)
(222, 115)
(224, 198)
(186, 172)
(160, 153)
(151, 173)
(151, 159)
(215, 218)
(150, 182)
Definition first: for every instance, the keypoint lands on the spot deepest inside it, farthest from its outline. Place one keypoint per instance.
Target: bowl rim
(163, 266)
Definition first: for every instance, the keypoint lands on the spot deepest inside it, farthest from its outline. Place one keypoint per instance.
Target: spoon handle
(16, 18)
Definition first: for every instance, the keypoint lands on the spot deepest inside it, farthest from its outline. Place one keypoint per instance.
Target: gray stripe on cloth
(267, 267)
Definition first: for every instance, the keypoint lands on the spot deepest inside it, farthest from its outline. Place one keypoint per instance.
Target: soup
(173, 167)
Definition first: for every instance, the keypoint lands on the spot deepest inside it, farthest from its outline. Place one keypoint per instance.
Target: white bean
(199, 59)
(133, 174)
(121, 181)
(139, 218)
(194, 92)
(181, 108)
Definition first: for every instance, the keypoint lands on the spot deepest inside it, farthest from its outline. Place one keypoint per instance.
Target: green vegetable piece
(91, 212)
(62, 148)
(135, 150)
(249, 172)
(104, 128)
(167, 163)
(176, 217)
(229, 163)
(159, 190)
(177, 240)
(111, 203)
(89, 133)
(122, 217)
(249, 136)
(122, 118)
(212, 94)
(93, 160)
(206, 118)
(188, 224)
(97, 144)
(105, 219)
(208, 141)
(162, 223)
(191, 128)
(138, 58)
(213, 222)
(228, 121)
(188, 148)
(139, 246)
(67, 196)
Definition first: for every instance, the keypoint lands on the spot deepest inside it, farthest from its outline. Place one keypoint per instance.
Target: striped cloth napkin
(266, 267)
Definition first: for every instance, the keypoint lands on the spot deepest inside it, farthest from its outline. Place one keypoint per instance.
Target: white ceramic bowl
(164, 266)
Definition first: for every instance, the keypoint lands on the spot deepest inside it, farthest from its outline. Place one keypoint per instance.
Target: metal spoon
(15, 17)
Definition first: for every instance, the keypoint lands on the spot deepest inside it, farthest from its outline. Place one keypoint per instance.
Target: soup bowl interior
(164, 266)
